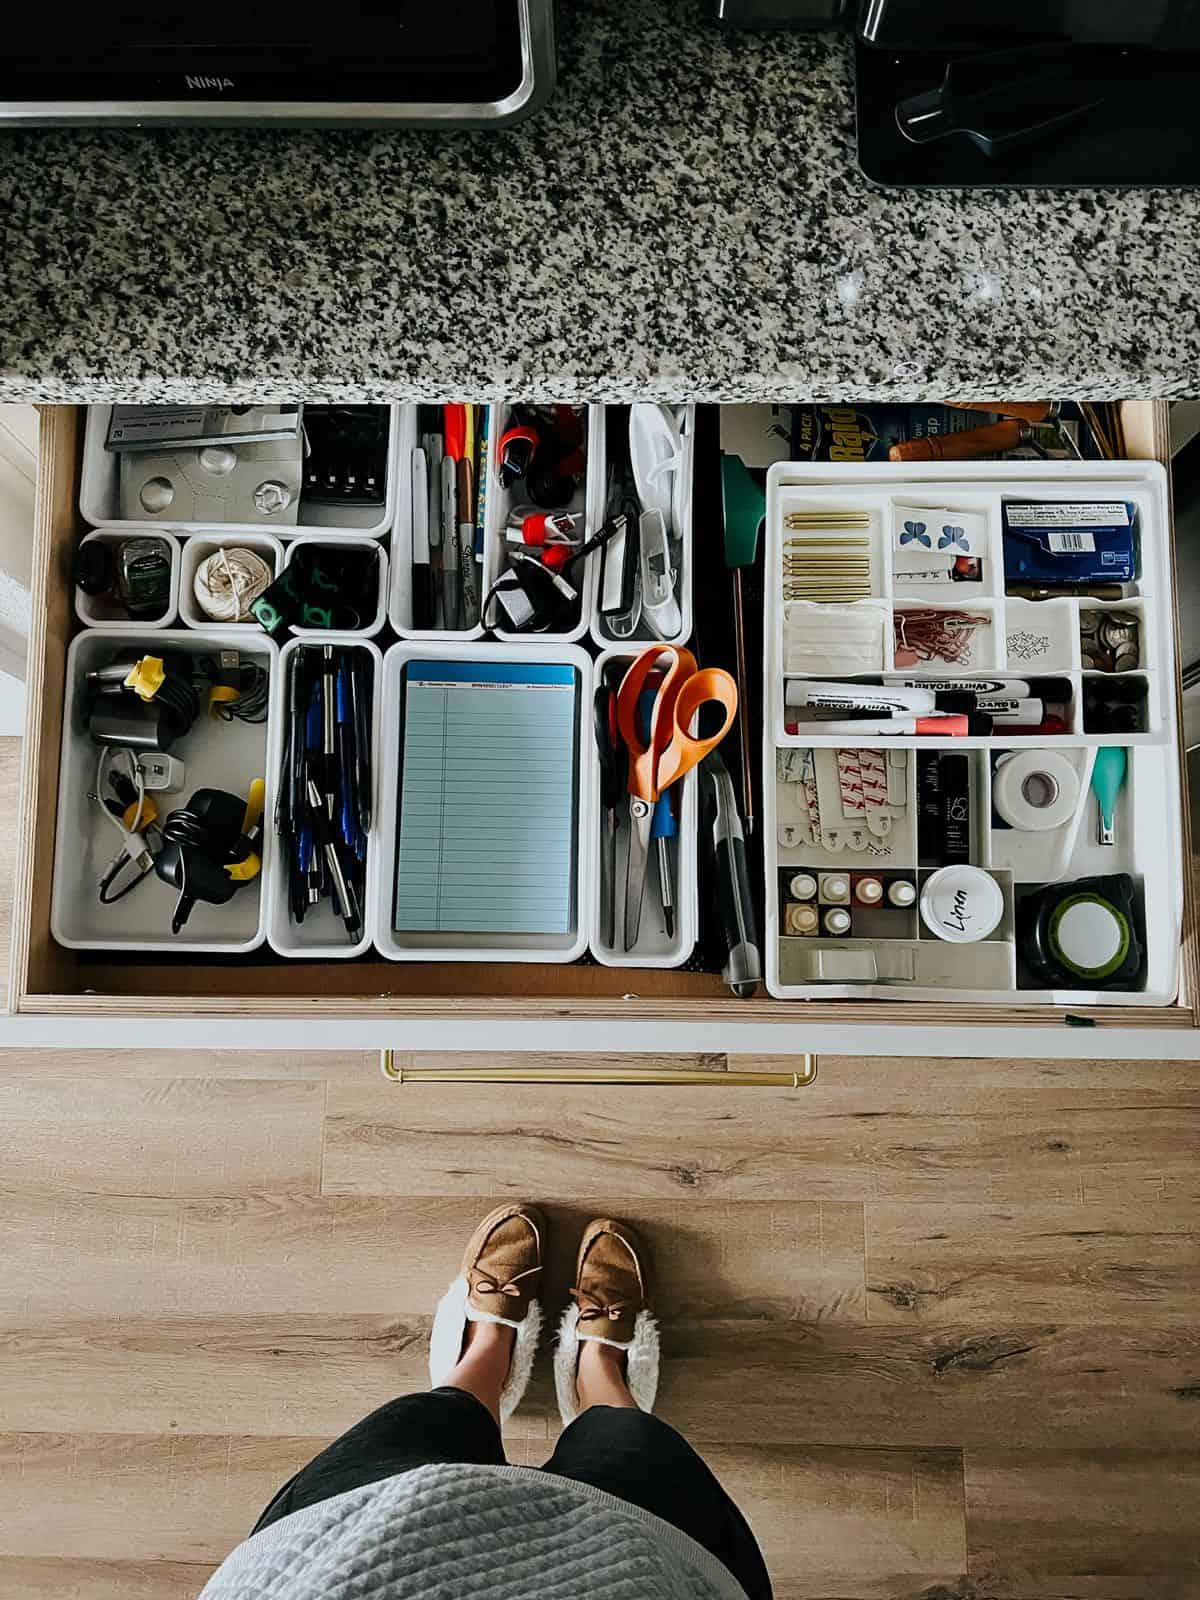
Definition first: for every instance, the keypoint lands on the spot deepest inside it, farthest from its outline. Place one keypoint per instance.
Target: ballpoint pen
(449, 511)
(362, 746)
(347, 810)
(345, 899)
(329, 728)
(313, 741)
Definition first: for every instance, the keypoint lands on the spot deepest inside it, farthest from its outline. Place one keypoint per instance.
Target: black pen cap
(959, 701)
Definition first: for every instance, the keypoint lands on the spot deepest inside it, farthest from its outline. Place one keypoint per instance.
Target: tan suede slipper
(499, 1282)
(610, 1304)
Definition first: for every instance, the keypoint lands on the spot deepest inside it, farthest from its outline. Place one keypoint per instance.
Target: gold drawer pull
(393, 1067)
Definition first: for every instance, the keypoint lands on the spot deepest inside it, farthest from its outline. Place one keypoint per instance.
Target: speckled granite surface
(685, 220)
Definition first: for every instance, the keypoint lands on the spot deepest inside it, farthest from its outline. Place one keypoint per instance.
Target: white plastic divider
(682, 541)
(202, 545)
(102, 613)
(346, 542)
(321, 935)
(216, 755)
(485, 948)
(400, 594)
(654, 947)
(588, 498)
(100, 503)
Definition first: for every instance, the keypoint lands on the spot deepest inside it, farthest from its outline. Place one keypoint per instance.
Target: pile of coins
(1109, 641)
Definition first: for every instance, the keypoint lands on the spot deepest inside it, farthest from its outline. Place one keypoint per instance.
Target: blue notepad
(488, 799)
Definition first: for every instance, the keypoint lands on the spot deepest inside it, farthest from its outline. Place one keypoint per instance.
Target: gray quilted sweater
(448, 1532)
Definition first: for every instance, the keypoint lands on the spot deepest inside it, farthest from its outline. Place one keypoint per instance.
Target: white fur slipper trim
(446, 1342)
(641, 1365)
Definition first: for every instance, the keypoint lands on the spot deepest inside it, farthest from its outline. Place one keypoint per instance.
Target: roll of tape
(1035, 790)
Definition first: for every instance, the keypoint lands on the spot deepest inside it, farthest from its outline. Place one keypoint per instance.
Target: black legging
(630, 1454)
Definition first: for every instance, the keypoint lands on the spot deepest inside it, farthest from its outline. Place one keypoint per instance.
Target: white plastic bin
(99, 494)
(103, 613)
(321, 934)
(197, 549)
(654, 947)
(346, 541)
(486, 947)
(216, 754)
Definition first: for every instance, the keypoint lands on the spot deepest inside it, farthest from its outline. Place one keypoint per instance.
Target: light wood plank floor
(934, 1324)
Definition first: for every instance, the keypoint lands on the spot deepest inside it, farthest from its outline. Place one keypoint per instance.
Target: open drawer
(49, 980)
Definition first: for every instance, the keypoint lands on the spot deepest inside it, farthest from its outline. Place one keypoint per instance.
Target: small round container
(961, 904)
(803, 886)
(901, 892)
(835, 888)
(868, 891)
(800, 919)
(837, 921)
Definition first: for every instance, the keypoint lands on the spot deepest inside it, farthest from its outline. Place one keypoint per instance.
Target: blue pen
(662, 824)
(348, 828)
(314, 742)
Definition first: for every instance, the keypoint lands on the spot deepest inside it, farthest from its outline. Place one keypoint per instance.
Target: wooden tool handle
(1025, 410)
(986, 441)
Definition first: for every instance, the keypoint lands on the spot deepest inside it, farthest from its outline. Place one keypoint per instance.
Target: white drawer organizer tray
(654, 947)
(498, 502)
(1025, 638)
(485, 947)
(99, 495)
(681, 539)
(216, 755)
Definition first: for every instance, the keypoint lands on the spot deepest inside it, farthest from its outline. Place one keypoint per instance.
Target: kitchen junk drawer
(600, 1004)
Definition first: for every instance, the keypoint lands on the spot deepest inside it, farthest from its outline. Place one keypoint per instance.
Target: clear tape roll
(1035, 790)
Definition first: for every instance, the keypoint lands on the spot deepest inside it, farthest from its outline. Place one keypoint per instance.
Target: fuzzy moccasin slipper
(609, 1304)
(501, 1274)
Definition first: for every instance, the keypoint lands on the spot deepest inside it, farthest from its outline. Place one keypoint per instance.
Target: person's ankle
(606, 1356)
(483, 1336)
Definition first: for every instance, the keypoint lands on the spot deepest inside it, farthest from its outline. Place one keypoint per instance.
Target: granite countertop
(686, 219)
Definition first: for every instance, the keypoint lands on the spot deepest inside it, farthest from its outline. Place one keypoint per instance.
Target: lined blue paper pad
(487, 798)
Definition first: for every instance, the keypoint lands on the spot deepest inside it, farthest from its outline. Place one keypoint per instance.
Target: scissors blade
(635, 873)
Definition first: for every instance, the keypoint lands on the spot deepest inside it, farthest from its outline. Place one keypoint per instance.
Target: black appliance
(456, 63)
(986, 93)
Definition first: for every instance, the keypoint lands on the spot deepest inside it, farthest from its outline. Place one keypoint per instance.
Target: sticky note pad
(488, 798)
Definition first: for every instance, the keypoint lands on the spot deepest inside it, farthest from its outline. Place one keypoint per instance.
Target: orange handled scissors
(668, 751)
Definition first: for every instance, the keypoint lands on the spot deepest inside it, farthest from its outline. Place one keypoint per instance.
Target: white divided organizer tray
(666, 470)
(216, 754)
(487, 801)
(853, 592)
(100, 497)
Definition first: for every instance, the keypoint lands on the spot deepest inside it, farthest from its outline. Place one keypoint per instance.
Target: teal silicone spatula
(745, 507)
(1108, 775)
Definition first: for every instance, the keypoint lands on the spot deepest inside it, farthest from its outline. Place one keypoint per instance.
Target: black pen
(361, 715)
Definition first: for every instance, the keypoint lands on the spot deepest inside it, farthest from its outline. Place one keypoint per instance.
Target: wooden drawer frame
(49, 981)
